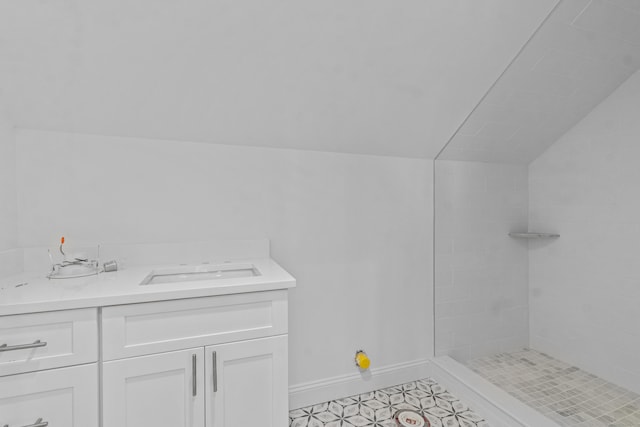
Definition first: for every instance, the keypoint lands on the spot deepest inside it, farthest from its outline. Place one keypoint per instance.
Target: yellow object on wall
(362, 360)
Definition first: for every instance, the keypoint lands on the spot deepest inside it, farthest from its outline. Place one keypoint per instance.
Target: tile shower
(551, 321)
(552, 148)
(483, 298)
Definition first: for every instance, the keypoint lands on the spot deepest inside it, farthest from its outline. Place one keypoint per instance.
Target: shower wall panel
(481, 273)
(585, 286)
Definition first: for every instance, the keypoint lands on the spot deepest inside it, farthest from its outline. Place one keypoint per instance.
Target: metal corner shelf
(530, 235)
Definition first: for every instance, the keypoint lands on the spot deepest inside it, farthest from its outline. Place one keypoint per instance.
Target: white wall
(481, 273)
(354, 230)
(8, 224)
(585, 286)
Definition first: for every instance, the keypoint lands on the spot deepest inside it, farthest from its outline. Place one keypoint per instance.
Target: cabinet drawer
(65, 397)
(32, 342)
(139, 329)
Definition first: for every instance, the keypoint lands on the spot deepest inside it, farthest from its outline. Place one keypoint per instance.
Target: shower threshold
(501, 409)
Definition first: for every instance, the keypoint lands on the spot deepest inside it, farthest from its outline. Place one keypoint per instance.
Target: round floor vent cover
(408, 418)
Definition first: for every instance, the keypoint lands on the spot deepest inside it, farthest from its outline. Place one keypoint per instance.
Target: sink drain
(408, 418)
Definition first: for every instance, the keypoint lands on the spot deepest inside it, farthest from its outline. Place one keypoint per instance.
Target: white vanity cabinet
(39, 384)
(116, 351)
(216, 362)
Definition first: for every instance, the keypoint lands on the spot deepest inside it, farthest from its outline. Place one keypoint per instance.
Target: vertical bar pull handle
(194, 373)
(214, 356)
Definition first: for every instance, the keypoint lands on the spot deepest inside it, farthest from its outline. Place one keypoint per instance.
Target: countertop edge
(124, 299)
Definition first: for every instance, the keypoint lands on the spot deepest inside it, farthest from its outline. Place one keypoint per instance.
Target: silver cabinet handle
(38, 423)
(36, 344)
(214, 356)
(194, 379)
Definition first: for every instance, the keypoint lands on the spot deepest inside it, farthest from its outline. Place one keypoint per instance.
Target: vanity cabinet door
(161, 390)
(247, 383)
(60, 397)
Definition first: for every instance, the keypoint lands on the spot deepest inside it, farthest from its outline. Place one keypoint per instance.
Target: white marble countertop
(30, 293)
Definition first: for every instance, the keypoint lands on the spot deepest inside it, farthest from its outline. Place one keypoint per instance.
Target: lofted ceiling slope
(361, 76)
(582, 53)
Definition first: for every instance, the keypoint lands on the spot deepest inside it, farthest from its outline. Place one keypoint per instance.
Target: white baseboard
(306, 394)
(495, 405)
(498, 407)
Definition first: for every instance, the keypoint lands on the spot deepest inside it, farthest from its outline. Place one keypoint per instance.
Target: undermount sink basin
(190, 273)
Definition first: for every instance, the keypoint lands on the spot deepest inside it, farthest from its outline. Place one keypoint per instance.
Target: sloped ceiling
(581, 54)
(362, 76)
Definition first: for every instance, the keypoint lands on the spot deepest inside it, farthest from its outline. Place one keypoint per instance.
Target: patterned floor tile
(376, 409)
(564, 393)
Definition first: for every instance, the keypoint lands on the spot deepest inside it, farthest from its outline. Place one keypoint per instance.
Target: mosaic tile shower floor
(376, 409)
(564, 393)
